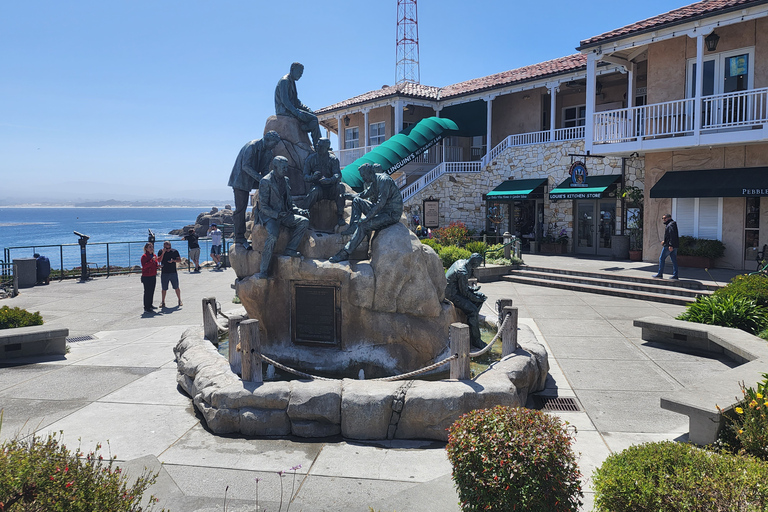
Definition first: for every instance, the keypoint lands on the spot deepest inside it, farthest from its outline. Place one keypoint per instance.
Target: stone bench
(699, 402)
(32, 341)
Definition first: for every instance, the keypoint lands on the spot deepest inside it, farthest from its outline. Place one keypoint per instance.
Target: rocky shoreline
(222, 218)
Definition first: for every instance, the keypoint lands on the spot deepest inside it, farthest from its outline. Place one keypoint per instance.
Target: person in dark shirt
(43, 269)
(193, 248)
(169, 257)
(669, 246)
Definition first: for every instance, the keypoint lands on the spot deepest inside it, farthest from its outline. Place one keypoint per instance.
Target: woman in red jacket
(149, 275)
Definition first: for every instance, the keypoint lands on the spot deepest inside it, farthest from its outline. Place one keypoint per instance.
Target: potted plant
(555, 244)
(634, 210)
(699, 252)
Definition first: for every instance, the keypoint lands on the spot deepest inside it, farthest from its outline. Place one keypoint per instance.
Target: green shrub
(754, 287)
(16, 317)
(668, 476)
(42, 474)
(432, 243)
(476, 246)
(509, 458)
(456, 233)
(703, 247)
(764, 335)
(450, 253)
(727, 311)
(747, 428)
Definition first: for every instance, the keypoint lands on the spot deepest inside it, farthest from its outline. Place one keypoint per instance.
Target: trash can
(26, 269)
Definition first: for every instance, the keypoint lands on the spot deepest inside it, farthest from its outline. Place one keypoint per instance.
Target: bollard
(507, 237)
(15, 280)
(459, 336)
(509, 334)
(210, 330)
(235, 358)
(250, 344)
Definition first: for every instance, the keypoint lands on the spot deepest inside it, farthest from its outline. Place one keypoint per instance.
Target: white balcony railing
(434, 155)
(347, 156)
(525, 139)
(443, 168)
(676, 118)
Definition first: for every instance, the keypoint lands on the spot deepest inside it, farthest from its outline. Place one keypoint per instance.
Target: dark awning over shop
(742, 182)
(512, 190)
(597, 187)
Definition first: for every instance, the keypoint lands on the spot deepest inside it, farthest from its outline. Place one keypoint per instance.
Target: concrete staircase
(681, 292)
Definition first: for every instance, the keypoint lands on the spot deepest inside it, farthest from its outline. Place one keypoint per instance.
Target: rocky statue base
(382, 313)
(353, 408)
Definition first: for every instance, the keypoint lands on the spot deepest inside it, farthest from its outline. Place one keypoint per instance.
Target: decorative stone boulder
(384, 315)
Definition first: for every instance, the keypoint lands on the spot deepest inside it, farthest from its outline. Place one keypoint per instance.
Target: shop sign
(578, 172)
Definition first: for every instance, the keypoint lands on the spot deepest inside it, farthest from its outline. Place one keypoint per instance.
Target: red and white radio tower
(407, 67)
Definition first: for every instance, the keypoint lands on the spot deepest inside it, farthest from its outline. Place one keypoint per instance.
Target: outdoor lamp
(711, 41)
(346, 120)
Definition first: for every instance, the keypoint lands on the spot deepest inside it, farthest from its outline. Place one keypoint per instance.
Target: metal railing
(9, 278)
(103, 258)
(678, 117)
(444, 168)
(526, 139)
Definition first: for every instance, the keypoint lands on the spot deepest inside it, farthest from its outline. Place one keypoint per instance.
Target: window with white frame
(574, 116)
(376, 133)
(699, 217)
(351, 137)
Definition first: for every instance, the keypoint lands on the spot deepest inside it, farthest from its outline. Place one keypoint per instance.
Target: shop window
(376, 133)
(574, 116)
(699, 217)
(352, 138)
(752, 229)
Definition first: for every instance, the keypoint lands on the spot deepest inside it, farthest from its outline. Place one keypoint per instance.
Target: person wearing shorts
(215, 234)
(169, 257)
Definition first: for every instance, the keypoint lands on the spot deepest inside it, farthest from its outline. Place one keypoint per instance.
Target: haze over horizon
(135, 100)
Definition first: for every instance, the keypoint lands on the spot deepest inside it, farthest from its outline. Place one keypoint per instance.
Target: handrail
(526, 139)
(445, 167)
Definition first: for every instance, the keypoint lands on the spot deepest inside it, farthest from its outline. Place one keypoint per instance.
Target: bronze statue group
(378, 206)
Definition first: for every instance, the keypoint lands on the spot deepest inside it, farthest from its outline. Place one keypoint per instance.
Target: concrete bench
(32, 341)
(699, 402)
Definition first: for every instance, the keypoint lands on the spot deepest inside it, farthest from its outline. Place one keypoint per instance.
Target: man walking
(215, 235)
(193, 248)
(669, 246)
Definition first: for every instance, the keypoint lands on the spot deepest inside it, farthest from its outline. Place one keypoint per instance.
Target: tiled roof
(673, 17)
(505, 78)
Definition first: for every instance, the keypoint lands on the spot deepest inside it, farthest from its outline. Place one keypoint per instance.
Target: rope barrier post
(209, 323)
(235, 359)
(459, 335)
(509, 333)
(250, 344)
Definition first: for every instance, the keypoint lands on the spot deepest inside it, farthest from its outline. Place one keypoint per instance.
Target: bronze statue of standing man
(251, 165)
(287, 103)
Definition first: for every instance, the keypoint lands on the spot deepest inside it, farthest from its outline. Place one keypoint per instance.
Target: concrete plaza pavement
(119, 389)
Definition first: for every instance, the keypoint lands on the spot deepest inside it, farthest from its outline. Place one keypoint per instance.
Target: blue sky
(140, 99)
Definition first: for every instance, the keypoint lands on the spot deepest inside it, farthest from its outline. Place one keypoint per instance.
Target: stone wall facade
(461, 194)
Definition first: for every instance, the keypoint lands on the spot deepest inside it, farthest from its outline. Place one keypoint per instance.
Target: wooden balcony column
(552, 89)
(367, 141)
(589, 122)
(699, 86)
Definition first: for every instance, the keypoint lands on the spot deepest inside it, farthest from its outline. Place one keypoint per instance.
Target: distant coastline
(124, 204)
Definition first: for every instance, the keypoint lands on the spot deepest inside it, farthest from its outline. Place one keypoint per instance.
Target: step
(590, 288)
(682, 283)
(669, 287)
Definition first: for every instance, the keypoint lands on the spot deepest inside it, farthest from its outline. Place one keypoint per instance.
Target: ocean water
(41, 227)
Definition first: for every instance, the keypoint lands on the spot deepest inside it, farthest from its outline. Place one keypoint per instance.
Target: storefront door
(594, 227)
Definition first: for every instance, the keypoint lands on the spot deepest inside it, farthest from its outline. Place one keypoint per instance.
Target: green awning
(740, 182)
(597, 186)
(397, 151)
(511, 190)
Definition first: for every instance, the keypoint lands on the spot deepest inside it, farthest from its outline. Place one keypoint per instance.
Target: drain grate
(556, 403)
(74, 339)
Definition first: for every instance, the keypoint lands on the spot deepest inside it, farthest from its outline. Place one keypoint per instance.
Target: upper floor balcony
(736, 117)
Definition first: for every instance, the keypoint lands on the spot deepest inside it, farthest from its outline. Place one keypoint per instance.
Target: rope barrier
(222, 327)
(417, 372)
(490, 344)
(291, 370)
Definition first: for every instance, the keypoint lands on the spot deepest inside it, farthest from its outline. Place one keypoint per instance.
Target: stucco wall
(733, 207)
(512, 114)
(666, 70)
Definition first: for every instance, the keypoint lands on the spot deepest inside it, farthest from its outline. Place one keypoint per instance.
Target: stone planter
(695, 261)
(635, 255)
(552, 248)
